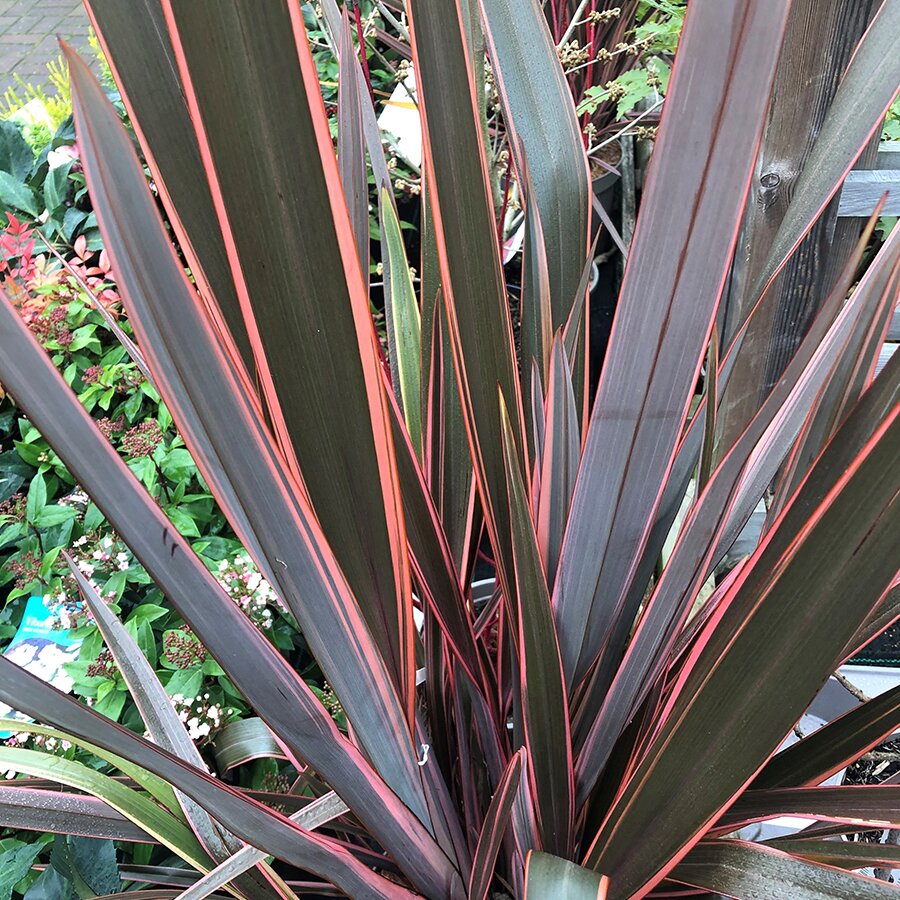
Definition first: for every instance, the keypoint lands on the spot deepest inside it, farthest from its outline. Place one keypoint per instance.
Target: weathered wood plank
(887, 351)
(818, 44)
(888, 155)
(863, 189)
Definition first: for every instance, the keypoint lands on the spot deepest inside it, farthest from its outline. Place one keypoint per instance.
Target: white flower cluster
(247, 587)
(104, 555)
(39, 741)
(78, 499)
(106, 558)
(199, 715)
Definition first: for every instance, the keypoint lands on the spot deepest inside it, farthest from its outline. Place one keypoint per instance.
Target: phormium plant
(592, 728)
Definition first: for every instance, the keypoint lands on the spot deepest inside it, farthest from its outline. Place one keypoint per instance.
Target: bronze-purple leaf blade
(273, 688)
(216, 416)
(742, 869)
(293, 256)
(677, 266)
(834, 540)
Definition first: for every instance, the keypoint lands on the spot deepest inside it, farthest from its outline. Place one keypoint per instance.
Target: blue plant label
(42, 648)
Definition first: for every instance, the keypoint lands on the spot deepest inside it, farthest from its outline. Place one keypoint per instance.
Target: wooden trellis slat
(865, 187)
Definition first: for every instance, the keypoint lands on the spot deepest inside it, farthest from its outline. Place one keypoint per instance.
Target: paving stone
(28, 31)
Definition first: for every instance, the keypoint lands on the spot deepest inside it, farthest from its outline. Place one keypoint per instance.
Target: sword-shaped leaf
(139, 52)
(539, 112)
(289, 205)
(212, 410)
(835, 745)
(39, 809)
(543, 693)
(816, 576)
(559, 460)
(493, 831)
(690, 214)
(253, 822)
(404, 325)
(722, 508)
(163, 724)
(871, 803)
(742, 869)
(135, 806)
(843, 854)
(852, 377)
(472, 280)
(317, 813)
(351, 149)
(274, 689)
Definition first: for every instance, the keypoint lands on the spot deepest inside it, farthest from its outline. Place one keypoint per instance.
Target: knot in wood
(768, 192)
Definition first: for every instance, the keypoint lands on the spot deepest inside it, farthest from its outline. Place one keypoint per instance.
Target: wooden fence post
(818, 44)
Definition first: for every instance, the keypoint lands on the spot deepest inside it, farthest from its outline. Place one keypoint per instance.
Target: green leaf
(148, 612)
(37, 497)
(89, 864)
(56, 186)
(241, 741)
(16, 157)
(50, 885)
(680, 256)
(543, 692)
(154, 786)
(110, 701)
(551, 878)
(472, 282)
(185, 682)
(15, 864)
(16, 195)
(30, 452)
(403, 322)
(144, 638)
(54, 515)
(183, 521)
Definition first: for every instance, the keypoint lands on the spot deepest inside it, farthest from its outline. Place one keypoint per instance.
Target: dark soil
(876, 767)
